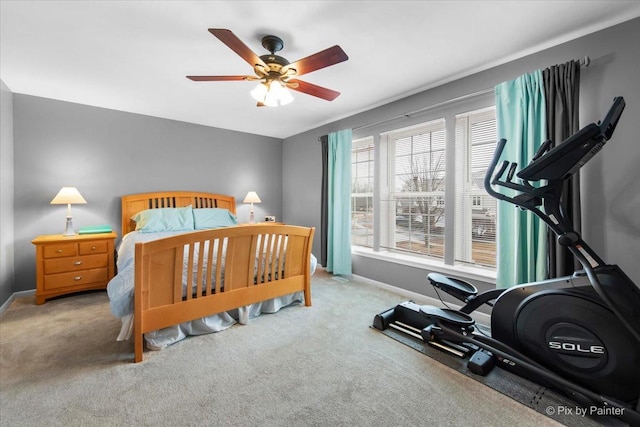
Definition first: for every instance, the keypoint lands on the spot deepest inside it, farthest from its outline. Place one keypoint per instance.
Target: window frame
(389, 192)
(464, 228)
(382, 211)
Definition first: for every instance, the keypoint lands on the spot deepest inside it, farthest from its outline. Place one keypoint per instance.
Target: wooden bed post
(138, 344)
(307, 272)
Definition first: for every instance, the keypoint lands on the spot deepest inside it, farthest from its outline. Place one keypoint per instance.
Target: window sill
(459, 270)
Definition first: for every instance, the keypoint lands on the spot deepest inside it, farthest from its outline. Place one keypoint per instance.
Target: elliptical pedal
(452, 348)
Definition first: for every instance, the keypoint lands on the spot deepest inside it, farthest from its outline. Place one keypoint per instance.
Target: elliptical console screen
(568, 157)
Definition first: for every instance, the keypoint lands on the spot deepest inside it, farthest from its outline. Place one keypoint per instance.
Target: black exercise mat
(541, 399)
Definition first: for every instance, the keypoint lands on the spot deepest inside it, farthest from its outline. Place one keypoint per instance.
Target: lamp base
(252, 219)
(68, 231)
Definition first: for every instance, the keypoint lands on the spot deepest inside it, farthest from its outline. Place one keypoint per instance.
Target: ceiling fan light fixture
(280, 92)
(272, 94)
(259, 92)
(270, 100)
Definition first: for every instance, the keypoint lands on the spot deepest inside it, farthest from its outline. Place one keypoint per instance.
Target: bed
(204, 275)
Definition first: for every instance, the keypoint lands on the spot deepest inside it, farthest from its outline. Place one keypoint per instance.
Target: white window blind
(362, 164)
(476, 210)
(417, 191)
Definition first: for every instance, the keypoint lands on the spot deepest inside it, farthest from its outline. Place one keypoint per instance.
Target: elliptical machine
(579, 334)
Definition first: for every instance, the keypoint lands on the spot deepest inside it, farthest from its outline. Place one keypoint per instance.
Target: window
(476, 210)
(417, 196)
(362, 192)
(430, 199)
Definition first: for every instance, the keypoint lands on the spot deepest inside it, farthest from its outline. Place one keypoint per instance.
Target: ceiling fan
(275, 73)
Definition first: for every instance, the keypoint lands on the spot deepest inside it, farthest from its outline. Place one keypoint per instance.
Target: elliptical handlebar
(553, 166)
(490, 179)
(530, 196)
(556, 165)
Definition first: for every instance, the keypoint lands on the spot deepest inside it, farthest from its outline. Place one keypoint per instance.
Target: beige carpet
(61, 366)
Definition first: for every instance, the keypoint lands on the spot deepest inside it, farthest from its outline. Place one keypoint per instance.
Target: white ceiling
(134, 55)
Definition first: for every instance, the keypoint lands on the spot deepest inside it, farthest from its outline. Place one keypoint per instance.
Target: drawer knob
(77, 263)
(59, 251)
(93, 248)
(77, 278)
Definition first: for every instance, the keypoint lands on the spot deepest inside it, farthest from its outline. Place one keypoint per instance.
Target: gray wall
(107, 153)
(610, 195)
(6, 193)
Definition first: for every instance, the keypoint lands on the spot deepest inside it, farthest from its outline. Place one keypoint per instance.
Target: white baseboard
(12, 298)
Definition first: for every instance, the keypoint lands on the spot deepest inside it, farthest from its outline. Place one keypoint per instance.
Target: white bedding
(121, 288)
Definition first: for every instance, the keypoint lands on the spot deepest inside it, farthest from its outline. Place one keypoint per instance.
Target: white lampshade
(68, 195)
(252, 197)
(260, 92)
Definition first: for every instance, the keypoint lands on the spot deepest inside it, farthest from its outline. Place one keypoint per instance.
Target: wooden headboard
(134, 203)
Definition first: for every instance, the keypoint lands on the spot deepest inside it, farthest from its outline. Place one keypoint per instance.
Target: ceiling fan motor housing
(275, 62)
(272, 43)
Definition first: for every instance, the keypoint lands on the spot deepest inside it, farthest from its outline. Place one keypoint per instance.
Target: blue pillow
(213, 218)
(164, 219)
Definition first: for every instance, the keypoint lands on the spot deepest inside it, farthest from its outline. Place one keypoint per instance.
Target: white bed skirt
(162, 338)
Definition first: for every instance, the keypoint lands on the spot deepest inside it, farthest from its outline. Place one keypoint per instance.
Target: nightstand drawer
(62, 265)
(60, 250)
(67, 280)
(88, 248)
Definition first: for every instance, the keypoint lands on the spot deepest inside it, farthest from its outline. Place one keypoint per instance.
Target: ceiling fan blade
(313, 90)
(235, 44)
(220, 78)
(325, 58)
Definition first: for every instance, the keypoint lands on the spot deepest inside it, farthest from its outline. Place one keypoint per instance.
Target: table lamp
(252, 197)
(68, 196)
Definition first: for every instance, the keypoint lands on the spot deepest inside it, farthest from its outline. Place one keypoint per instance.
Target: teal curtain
(339, 203)
(522, 237)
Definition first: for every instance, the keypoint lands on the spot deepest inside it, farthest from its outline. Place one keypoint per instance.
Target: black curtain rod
(422, 110)
(584, 62)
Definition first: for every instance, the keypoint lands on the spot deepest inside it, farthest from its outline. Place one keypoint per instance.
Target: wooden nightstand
(66, 264)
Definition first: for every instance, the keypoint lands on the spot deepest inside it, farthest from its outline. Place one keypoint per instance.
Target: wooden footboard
(252, 263)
